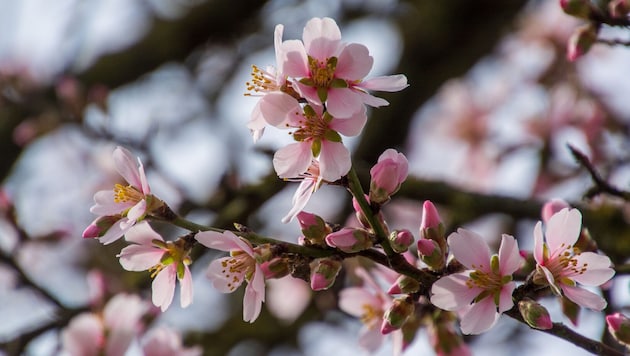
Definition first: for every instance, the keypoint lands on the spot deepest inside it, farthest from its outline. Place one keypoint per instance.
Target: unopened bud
(313, 227)
(619, 327)
(397, 314)
(534, 314)
(431, 226)
(349, 240)
(581, 41)
(404, 285)
(323, 273)
(100, 226)
(387, 175)
(400, 240)
(430, 253)
(275, 268)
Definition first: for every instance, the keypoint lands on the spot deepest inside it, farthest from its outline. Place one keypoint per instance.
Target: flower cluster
(319, 92)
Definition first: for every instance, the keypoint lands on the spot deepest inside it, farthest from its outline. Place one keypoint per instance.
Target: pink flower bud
(349, 240)
(553, 206)
(401, 240)
(397, 314)
(430, 253)
(359, 214)
(100, 226)
(387, 175)
(430, 216)
(534, 314)
(619, 8)
(275, 268)
(619, 327)
(323, 273)
(313, 227)
(581, 41)
(404, 285)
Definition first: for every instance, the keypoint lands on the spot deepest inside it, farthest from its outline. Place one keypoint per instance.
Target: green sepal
(338, 83)
(332, 136)
(180, 271)
(316, 147)
(307, 81)
(322, 93)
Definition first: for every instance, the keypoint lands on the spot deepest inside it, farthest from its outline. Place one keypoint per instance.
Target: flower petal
(598, 270)
(505, 298)
(113, 233)
(322, 38)
(186, 288)
(223, 241)
(452, 293)
(142, 234)
(293, 160)
(294, 59)
(254, 296)
(139, 257)
(300, 198)
(354, 62)
(353, 300)
(388, 83)
(563, 229)
(584, 298)
(334, 161)
(480, 317)
(510, 259)
(163, 287)
(280, 109)
(539, 243)
(351, 126)
(470, 249)
(104, 204)
(125, 164)
(343, 102)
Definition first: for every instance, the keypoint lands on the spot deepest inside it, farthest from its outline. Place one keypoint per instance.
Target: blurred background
(485, 123)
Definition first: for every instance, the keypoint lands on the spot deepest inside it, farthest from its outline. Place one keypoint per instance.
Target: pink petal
(124, 311)
(137, 211)
(223, 241)
(388, 83)
(142, 234)
(308, 92)
(452, 293)
(470, 249)
(480, 317)
(353, 299)
(370, 338)
(280, 109)
(334, 161)
(598, 269)
(510, 259)
(563, 229)
(371, 100)
(294, 59)
(219, 279)
(505, 298)
(277, 44)
(125, 164)
(257, 123)
(301, 197)
(83, 335)
(343, 102)
(351, 126)
(113, 233)
(293, 160)
(550, 279)
(253, 298)
(105, 205)
(186, 288)
(163, 287)
(584, 298)
(322, 38)
(538, 243)
(354, 62)
(139, 257)
(144, 184)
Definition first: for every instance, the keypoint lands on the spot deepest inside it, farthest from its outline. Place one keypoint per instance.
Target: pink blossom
(121, 208)
(228, 273)
(162, 341)
(484, 291)
(349, 240)
(387, 175)
(317, 134)
(109, 333)
(562, 266)
(551, 207)
(265, 81)
(167, 261)
(332, 72)
(368, 303)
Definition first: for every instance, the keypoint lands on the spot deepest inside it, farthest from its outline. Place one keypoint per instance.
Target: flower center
(310, 125)
(240, 266)
(123, 194)
(262, 81)
(566, 263)
(322, 73)
(371, 315)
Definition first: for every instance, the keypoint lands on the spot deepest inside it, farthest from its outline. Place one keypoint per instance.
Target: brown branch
(601, 185)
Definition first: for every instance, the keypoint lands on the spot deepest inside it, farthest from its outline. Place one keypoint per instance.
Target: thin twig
(601, 185)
